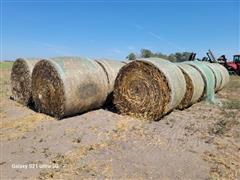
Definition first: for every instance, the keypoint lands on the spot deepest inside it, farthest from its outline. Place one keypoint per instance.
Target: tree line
(174, 57)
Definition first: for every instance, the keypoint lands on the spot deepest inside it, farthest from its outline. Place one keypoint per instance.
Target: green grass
(5, 71)
(6, 65)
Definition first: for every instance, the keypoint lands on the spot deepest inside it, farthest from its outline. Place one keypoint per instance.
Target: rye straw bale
(208, 77)
(125, 62)
(148, 88)
(194, 85)
(111, 69)
(217, 74)
(65, 86)
(224, 74)
(21, 77)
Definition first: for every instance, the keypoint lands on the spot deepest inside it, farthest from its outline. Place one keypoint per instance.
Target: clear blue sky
(112, 29)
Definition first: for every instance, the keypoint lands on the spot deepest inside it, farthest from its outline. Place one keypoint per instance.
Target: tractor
(233, 66)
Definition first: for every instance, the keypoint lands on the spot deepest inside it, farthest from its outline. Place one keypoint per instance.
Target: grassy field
(5, 72)
(6, 65)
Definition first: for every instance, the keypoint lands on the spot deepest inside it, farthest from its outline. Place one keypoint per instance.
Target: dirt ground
(201, 142)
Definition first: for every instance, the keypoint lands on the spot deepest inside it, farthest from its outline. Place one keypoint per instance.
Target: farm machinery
(232, 66)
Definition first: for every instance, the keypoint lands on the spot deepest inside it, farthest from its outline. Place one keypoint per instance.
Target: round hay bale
(125, 62)
(21, 78)
(217, 75)
(194, 85)
(148, 88)
(224, 74)
(111, 69)
(208, 77)
(66, 86)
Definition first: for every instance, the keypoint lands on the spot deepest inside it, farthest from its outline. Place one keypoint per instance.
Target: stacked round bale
(146, 88)
(208, 78)
(194, 85)
(111, 69)
(203, 79)
(21, 79)
(221, 75)
(224, 75)
(65, 86)
(149, 88)
(217, 75)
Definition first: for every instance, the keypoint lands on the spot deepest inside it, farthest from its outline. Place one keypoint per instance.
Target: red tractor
(233, 66)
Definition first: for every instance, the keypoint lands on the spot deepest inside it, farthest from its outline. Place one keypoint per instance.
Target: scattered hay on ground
(12, 129)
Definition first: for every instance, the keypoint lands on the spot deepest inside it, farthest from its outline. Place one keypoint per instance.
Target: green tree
(184, 56)
(146, 53)
(160, 55)
(131, 56)
(172, 58)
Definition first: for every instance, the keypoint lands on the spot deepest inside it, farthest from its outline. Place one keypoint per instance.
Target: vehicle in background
(232, 66)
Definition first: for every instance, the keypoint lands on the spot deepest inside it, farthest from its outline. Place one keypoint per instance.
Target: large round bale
(208, 77)
(111, 69)
(125, 62)
(217, 74)
(65, 86)
(21, 78)
(194, 85)
(224, 74)
(148, 88)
